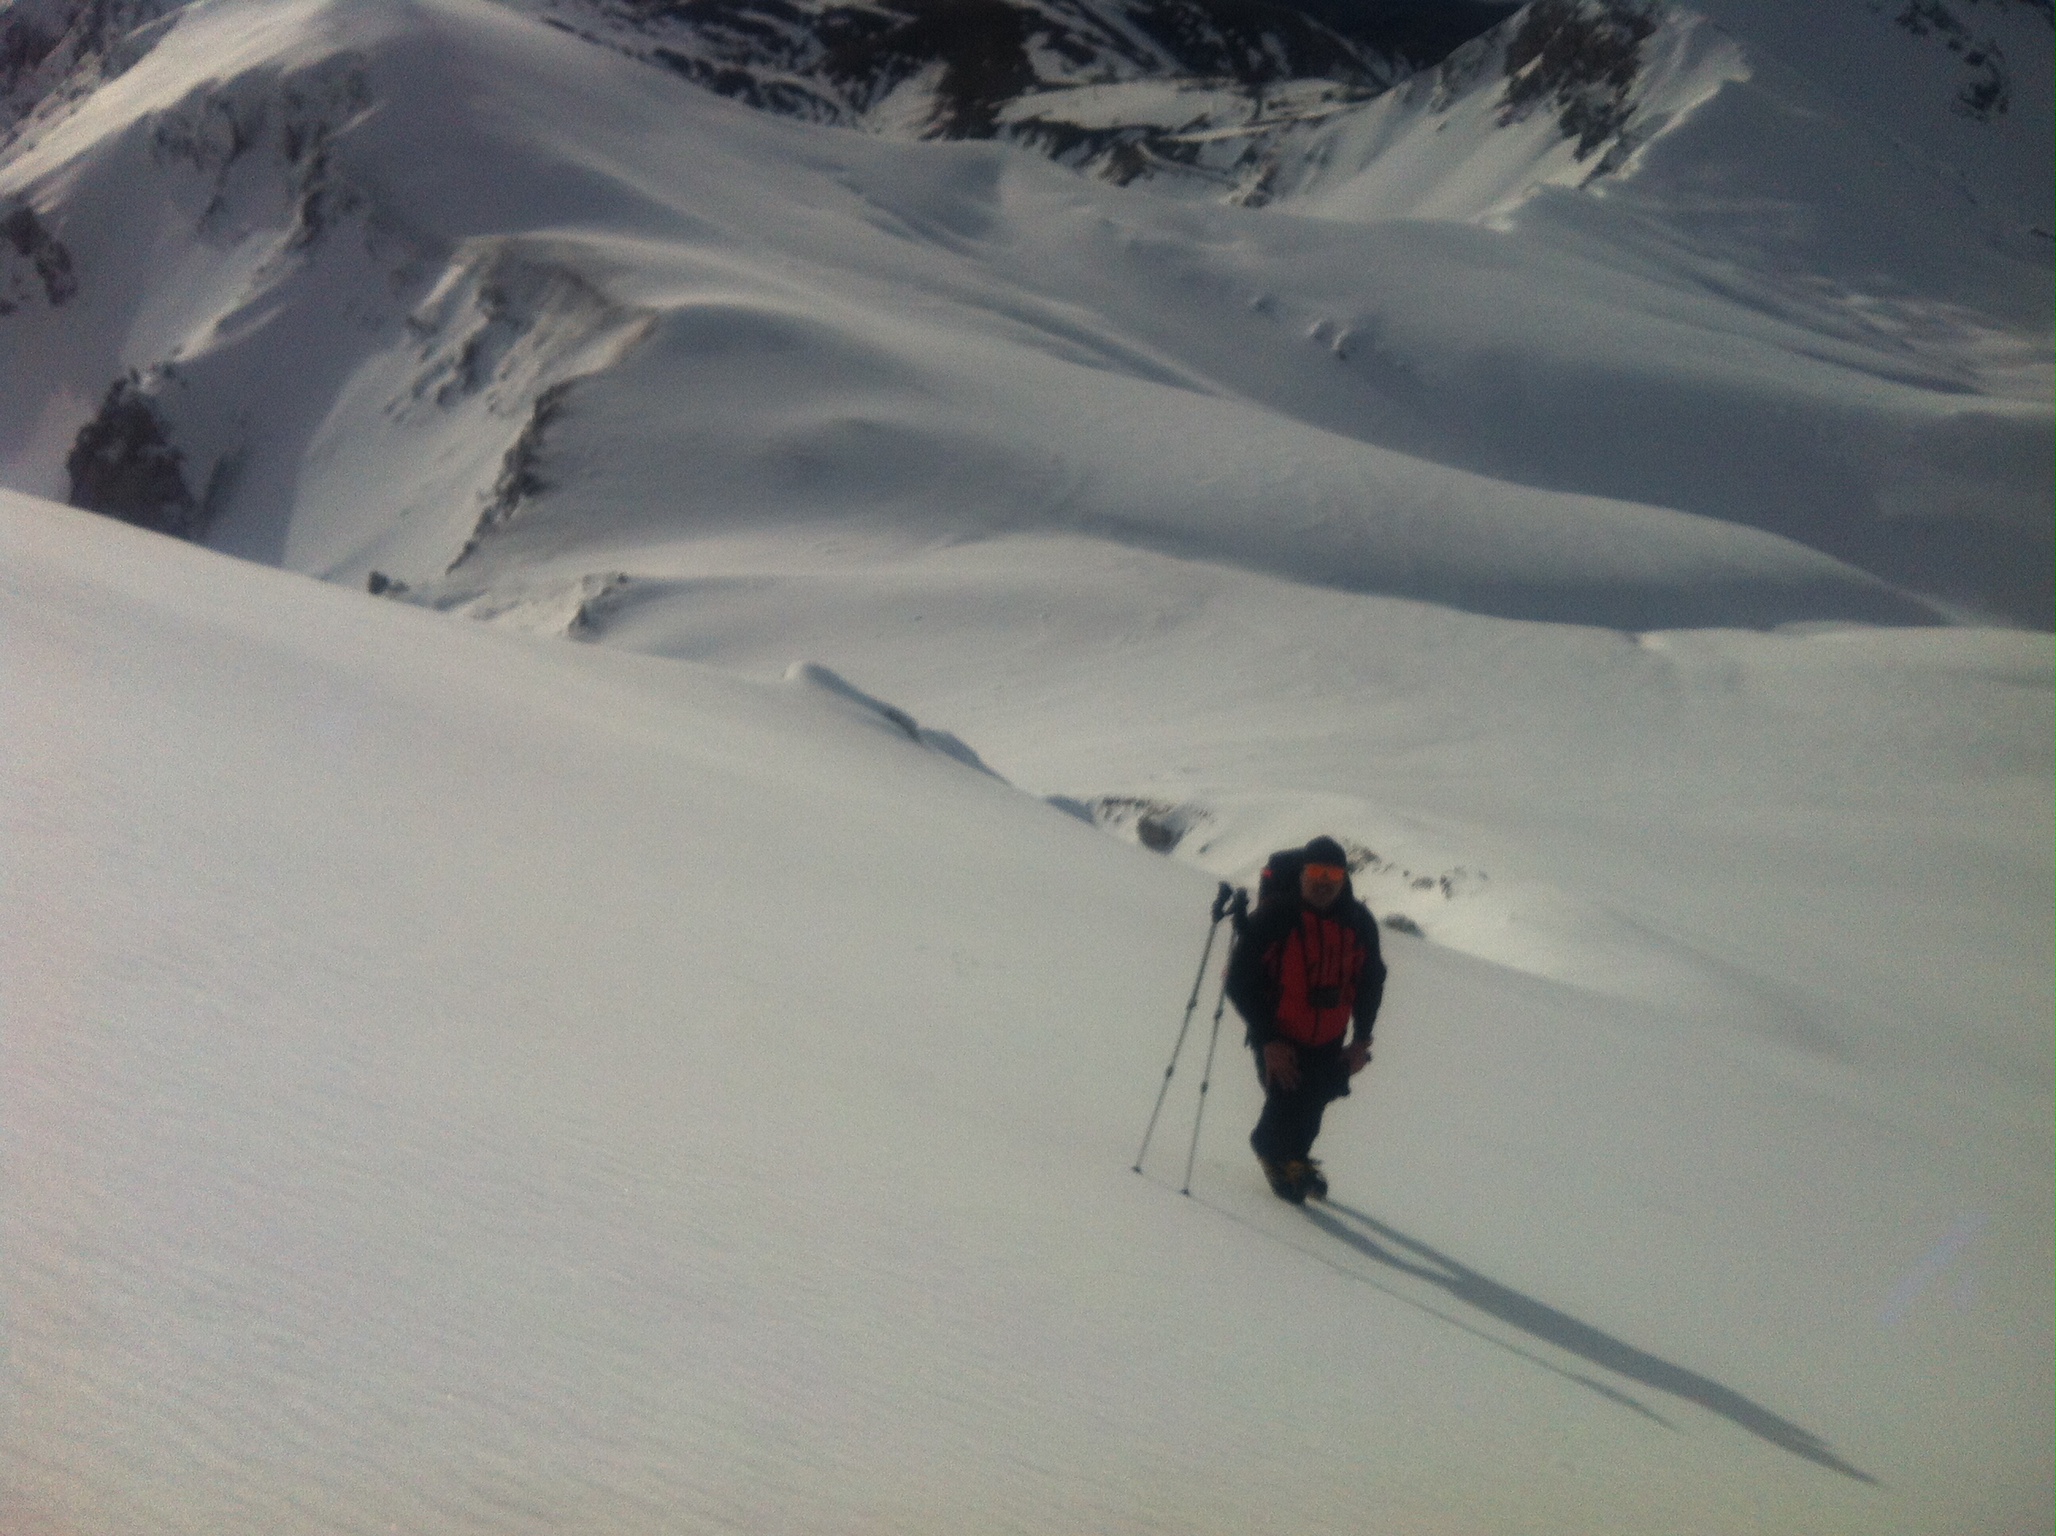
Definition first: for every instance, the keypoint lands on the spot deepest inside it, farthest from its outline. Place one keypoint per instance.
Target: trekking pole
(1220, 910)
(1206, 1076)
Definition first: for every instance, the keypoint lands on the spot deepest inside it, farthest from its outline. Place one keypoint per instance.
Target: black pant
(1291, 1119)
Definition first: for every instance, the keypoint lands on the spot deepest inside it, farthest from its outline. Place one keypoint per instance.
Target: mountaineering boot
(1283, 1183)
(1313, 1184)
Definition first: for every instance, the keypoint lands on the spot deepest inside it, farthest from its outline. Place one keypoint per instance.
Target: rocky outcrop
(1985, 90)
(1579, 58)
(53, 52)
(125, 465)
(34, 263)
(1024, 70)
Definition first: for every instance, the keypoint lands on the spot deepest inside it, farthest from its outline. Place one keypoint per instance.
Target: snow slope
(461, 1082)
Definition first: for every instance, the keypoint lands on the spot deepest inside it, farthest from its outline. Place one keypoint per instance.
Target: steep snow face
(1967, 86)
(1957, 90)
(1837, 149)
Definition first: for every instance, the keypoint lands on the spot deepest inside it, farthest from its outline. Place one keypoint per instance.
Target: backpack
(1280, 878)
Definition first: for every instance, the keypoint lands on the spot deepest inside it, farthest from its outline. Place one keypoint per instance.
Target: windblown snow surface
(645, 1026)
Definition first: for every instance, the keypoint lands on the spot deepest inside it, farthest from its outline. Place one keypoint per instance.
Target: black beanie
(1325, 850)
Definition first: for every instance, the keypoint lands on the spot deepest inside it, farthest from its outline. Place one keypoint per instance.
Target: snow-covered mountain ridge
(1547, 334)
(1094, 83)
(939, 70)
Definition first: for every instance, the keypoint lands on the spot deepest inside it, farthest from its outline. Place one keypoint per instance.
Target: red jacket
(1298, 974)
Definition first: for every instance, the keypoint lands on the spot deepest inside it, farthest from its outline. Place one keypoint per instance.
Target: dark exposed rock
(31, 256)
(521, 476)
(836, 60)
(56, 50)
(1158, 825)
(1986, 90)
(123, 464)
(23, 46)
(783, 97)
(1121, 154)
(982, 46)
(215, 129)
(1581, 57)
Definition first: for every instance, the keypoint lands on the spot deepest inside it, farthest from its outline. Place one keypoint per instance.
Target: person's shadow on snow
(1388, 1246)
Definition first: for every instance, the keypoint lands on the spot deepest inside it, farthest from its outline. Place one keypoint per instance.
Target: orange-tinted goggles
(1333, 872)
